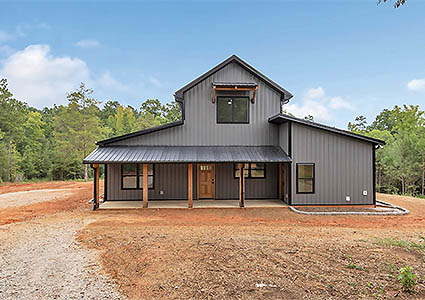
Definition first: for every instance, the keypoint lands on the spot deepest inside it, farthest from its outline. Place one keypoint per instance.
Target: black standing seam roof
(246, 66)
(280, 118)
(186, 154)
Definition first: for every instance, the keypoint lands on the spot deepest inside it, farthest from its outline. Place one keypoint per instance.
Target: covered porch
(191, 176)
(154, 204)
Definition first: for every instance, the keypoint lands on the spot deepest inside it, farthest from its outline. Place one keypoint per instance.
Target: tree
(172, 112)
(359, 125)
(152, 106)
(77, 128)
(309, 118)
(397, 3)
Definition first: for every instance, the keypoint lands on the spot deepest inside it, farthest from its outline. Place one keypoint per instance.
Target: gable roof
(280, 118)
(140, 132)
(285, 94)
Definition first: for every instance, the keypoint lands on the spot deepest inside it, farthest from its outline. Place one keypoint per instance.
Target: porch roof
(186, 154)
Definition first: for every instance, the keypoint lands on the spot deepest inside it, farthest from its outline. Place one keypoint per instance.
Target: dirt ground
(256, 253)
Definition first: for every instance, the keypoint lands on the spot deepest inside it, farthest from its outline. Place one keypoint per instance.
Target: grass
(409, 245)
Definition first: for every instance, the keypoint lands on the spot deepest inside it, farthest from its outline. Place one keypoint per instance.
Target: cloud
(315, 93)
(87, 44)
(155, 81)
(309, 107)
(416, 84)
(339, 103)
(317, 104)
(41, 79)
(108, 81)
(4, 36)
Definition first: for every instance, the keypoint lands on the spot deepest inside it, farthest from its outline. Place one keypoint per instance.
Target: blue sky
(340, 59)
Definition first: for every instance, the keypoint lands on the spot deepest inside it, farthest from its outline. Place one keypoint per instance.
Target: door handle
(212, 181)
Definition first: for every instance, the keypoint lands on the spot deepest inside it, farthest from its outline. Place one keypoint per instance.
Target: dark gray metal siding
(200, 126)
(284, 137)
(343, 167)
(172, 180)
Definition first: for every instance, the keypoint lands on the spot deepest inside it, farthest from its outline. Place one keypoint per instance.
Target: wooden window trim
(138, 169)
(235, 167)
(233, 96)
(310, 178)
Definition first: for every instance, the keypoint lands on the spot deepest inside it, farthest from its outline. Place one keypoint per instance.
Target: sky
(339, 59)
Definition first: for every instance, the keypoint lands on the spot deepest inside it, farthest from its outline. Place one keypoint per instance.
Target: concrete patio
(196, 204)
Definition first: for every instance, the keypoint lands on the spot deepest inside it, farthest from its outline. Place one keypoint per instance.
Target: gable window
(251, 170)
(305, 178)
(132, 176)
(232, 110)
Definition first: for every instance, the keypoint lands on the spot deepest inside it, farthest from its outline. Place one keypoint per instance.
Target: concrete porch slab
(196, 204)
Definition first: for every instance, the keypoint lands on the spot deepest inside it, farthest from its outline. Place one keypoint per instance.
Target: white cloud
(155, 81)
(416, 84)
(309, 107)
(339, 103)
(316, 93)
(41, 79)
(87, 44)
(317, 104)
(108, 81)
(4, 36)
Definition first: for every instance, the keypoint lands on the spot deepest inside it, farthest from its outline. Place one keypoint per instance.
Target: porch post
(190, 185)
(145, 185)
(241, 186)
(280, 181)
(96, 186)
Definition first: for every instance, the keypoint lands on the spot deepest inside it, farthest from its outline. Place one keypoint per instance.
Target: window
(232, 109)
(251, 170)
(305, 178)
(132, 176)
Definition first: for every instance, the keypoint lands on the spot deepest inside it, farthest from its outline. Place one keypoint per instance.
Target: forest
(51, 143)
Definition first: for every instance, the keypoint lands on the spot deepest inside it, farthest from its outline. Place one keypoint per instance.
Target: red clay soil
(259, 253)
(82, 193)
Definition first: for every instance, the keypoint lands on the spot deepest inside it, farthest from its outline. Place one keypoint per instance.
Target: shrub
(407, 278)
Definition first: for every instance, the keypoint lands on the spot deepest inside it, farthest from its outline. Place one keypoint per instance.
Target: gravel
(30, 197)
(41, 260)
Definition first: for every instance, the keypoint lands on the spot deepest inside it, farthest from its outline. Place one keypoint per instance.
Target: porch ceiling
(186, 154)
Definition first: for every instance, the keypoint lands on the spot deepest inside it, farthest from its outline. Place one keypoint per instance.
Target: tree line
(52, 142)
(400, 163)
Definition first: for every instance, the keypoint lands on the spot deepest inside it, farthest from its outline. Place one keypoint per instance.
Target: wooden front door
(206, 181)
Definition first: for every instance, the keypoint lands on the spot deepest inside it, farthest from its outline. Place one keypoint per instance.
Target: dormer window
(233, 110)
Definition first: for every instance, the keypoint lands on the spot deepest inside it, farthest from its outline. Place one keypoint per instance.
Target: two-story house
(232, 124)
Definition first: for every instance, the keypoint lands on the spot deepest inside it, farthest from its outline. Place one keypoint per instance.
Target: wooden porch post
(280, 181)
(96, 186)
(241, 186)
(145, 186)
(190, 185)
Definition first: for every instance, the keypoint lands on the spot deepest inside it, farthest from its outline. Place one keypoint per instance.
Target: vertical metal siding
(343, 167)
(172, 180)
(200, 127)
(284, 137)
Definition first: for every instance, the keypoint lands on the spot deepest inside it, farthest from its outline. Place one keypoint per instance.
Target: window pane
(305, 171)
(150, 182)
(150, 169)
(240, 110)
(129, 182)
(129, 169)
(224, 110)
(245, 171)
(257, 173)
(305, 185)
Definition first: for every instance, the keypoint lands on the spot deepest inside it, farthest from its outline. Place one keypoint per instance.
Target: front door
(206, 181)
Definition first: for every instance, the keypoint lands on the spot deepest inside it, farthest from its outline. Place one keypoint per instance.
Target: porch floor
(196, 204)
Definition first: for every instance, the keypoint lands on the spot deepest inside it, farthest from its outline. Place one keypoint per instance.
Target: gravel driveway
(30, 197)
(41, 260)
